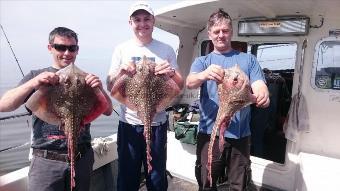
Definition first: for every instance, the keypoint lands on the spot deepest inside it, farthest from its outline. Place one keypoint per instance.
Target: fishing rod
(20, 145)
(113, 108)
(14, 116)
(17, 115)
(10, 46)
(15, 147)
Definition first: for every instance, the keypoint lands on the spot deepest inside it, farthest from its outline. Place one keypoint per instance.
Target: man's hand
(262, 100)
(164, 68)
(127, 68)
(45, 78)
(214, 72)
(260, 91)
(93, 81)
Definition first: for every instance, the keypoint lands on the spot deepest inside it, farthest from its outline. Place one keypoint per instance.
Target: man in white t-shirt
(131, 142)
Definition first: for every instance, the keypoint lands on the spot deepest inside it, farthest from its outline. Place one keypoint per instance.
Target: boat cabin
(294, 140)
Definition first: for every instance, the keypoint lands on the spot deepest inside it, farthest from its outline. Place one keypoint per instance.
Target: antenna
(12, 50)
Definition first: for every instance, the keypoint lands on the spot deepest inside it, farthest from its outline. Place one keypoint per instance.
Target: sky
(101, 25)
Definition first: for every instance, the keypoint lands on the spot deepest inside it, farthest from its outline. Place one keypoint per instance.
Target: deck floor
(178, 184)
(105, 178)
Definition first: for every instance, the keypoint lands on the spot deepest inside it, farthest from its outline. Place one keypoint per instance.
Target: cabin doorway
(278, 62)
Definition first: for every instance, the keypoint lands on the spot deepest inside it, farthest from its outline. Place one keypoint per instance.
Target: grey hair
(217, 17)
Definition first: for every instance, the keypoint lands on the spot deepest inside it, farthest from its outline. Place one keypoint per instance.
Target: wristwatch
(172, 72)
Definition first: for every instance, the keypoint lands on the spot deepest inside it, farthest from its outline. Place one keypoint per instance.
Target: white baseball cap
(140, 5)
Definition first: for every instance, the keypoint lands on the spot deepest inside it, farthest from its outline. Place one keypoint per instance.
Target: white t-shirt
(131, 51)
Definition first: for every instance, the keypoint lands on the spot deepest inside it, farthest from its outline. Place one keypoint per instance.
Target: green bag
(186, 132)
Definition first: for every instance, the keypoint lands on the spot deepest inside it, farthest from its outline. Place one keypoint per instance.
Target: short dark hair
(217, 17)
(64, 32)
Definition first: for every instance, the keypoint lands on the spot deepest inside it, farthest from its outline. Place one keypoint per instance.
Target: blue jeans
(131, 149)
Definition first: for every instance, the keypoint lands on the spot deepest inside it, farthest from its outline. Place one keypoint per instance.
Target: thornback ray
(145, 93)
(234, 93)
(70, 104)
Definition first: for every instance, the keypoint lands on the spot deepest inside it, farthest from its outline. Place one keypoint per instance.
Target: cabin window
(327, 65)
(277, 56)
(278, 62)
(207, 46)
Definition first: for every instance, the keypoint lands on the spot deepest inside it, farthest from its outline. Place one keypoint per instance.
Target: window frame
(255, 43)
(315, 65)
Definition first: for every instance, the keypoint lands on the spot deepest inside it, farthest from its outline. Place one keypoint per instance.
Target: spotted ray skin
(147, 94)
(234, 93)
(70, 104)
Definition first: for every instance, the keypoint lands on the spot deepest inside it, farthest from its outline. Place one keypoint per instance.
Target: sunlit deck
(176, 184)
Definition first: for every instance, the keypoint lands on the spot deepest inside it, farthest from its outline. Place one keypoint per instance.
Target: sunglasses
(63, 48)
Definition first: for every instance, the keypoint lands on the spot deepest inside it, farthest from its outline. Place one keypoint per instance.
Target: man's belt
(59, 155)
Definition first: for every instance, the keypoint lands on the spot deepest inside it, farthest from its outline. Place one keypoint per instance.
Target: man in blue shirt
(205, 72)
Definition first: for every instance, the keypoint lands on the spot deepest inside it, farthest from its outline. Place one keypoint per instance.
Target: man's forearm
(15, 97)
(177, 77)
(194, 81)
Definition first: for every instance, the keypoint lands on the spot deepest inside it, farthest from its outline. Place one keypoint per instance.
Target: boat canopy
(194, 14)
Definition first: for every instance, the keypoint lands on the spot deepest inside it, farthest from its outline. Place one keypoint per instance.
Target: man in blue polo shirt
(205, 72)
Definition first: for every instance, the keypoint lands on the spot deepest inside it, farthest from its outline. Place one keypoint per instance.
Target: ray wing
(119, 91)
(171, 90)
(45, 103)
(39, 104)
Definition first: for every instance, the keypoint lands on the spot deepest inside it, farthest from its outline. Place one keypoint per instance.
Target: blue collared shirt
(240, 124)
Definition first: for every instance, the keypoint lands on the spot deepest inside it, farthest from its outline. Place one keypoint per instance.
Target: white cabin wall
(185, 53)
(184, 59)
(322, 106)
